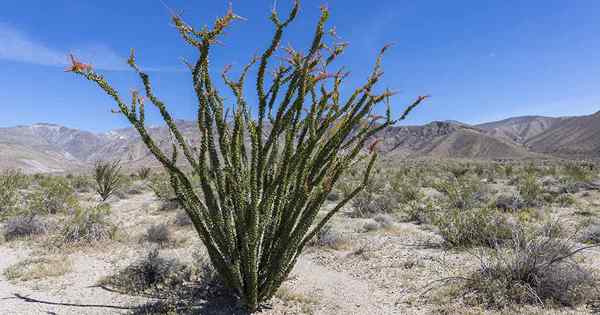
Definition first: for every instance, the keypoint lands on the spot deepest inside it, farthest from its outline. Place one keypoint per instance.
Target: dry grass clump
(88, 226)
(24, 225)
(535, 267)
(473, 227)
(38, 268)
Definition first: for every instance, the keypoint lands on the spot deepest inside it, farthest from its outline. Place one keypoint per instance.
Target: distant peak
(43, 124)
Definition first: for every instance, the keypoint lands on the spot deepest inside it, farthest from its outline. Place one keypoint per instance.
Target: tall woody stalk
(264, 176)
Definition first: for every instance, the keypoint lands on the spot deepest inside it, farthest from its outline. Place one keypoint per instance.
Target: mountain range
(47, 147)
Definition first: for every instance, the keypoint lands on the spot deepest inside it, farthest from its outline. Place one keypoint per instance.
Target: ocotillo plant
(264, 175)
(108, 178)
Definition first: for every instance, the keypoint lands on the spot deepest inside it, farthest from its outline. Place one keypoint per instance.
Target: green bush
(53, 195)
(408, 189)
(530, 190)
(10, 198)
(462, 193)
(464, 228)
(579, 172)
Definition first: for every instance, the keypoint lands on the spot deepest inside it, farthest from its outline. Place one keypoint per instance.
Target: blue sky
(480, 60)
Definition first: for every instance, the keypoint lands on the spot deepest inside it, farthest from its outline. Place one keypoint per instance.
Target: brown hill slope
(449, 140)
(572, 137)
(520, 129)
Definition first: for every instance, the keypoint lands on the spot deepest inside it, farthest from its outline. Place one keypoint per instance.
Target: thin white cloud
(18, 46)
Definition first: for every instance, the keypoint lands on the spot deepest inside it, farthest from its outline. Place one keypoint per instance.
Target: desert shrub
(509, 202)
(260, 201)
(334, 196)
(108, 178)
(81, 183)
(473, 227)
(88, 225)
(565, 200)
(23, 226)
(38, 268)
(530, 190)
(458, 171)
(463, 193)
(371, 226)
(15, 178)
(384, 220)
(144, 173)
(367, 204)
(183, 219)
(150, 274)
(418, 212)
(329, 237)
(10, 198)
(54, 195)
(508, 170)
(406, 188)
(159, 234)
(591, 234)
(578, 172)
(534, 267)
(162, 188)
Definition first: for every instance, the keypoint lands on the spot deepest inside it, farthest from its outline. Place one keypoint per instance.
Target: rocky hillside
(52, 148)
(520, 129)
(450, 140)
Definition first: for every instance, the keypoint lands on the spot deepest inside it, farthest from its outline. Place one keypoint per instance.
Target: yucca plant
(144, 173)
(263, 175)
(108, 178)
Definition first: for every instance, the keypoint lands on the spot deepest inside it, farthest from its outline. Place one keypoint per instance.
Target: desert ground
(425, 237)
